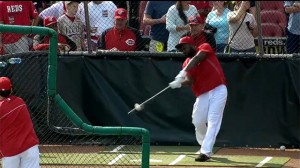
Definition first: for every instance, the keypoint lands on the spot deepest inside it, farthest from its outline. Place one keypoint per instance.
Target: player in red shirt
(203, 72)
(18, 140)
(121, 37)
(16, 13)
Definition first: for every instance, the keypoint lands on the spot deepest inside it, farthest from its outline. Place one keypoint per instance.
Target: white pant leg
(31, 158)
(11, 162)
(217, 101)
(199, 117)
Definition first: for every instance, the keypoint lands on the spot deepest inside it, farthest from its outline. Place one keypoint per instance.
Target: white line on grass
(180, 157)
(264, 161)
(116, 159)
(118, 148)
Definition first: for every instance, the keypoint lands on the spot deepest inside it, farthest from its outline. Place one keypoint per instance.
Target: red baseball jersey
(208, 74)
(16, 129)
(16, 13)
(125, 40)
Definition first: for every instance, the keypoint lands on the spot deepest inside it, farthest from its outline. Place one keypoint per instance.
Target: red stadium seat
(272, 5)
(271, 30)
(274, 16)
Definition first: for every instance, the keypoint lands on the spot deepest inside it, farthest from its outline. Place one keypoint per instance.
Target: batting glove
(175, 84)
(181, 75)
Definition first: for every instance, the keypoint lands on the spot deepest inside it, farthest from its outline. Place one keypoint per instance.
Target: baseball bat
(150, 98)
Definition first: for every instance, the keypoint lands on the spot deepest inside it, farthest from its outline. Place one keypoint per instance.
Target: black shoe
(202, 158)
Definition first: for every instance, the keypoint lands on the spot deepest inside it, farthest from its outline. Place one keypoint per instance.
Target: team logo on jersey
(130, 42)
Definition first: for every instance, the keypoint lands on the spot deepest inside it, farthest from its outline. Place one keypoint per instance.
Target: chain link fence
(157, 26)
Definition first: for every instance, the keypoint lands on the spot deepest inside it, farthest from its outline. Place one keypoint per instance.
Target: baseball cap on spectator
(196, 20)
(120, 13)
(49, 20)
(185, 40)
(5, 84)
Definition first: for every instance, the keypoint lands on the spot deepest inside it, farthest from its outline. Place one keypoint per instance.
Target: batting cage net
(61, 142)
(64, 142)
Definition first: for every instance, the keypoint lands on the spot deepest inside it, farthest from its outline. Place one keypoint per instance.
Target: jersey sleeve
(205, 47)
(33, 11)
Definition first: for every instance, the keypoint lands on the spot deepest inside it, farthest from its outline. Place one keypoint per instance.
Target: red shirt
(208, 74)
(124, 40)
(16, 129)
(204, 6)
(199, 39)
(16, 13)
(44, 45)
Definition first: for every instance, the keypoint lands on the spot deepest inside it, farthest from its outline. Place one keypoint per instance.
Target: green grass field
(160, 155)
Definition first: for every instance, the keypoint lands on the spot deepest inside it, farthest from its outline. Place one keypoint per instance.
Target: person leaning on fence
(71, 26)
(21, 13)
(121, 37)
(198, 33)
(155, 16)
(218, 19)
(42, 42)
(293, 27)
(241, 26)
(18, 140)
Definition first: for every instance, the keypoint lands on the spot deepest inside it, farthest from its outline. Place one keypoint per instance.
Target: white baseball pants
(27, 159)
(207, 117)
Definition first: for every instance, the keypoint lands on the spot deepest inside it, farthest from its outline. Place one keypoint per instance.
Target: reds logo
(130, 42)
(120, 12)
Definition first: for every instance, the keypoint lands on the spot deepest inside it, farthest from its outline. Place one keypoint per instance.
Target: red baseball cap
(120, 13)
(196, 20)
(49, 20)
(5, 84)
(185, 40)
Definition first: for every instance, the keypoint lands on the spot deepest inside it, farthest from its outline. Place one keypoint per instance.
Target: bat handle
(131, 111)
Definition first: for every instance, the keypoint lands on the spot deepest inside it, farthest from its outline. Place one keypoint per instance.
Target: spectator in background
(241, 25)
(21, 13)
(293, 28)
(203, 7)
(101, 15)
(120, 37)
(155, 16)
(19, 142)
(42, 42)
(198, 33)
(218, 19)
(60, 8)
(71, 26)
(177, 21)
